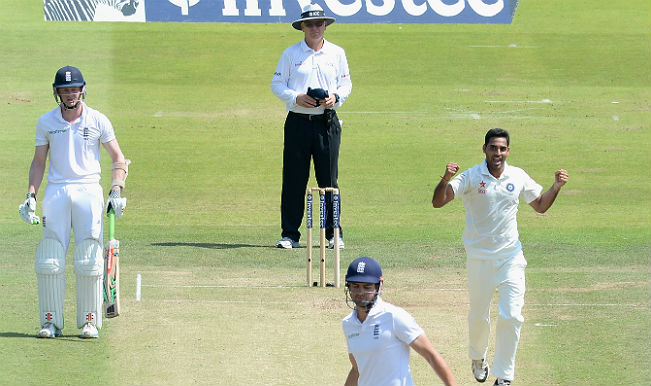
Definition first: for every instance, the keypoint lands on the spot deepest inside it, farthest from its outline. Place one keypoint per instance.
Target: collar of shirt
(486, 172)
(324, 49)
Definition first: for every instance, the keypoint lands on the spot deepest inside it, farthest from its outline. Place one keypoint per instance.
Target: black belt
(309, 117)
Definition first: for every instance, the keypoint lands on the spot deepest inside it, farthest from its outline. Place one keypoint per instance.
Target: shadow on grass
(211, 245)
(16, 335)
(70, 338)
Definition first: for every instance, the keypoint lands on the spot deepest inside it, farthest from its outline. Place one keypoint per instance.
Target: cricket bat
(112, 271)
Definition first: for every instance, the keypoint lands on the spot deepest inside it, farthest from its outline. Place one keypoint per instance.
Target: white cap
(312, 12)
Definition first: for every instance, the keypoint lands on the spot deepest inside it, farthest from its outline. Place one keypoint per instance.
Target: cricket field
(192, 109)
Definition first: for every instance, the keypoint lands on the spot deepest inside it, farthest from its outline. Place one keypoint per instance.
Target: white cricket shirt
(380, 345)
(301, 67)
(74, 147)
(491, 207)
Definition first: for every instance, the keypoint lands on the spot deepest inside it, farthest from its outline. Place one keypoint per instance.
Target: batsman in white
(379, 334)
(73, 200)
(491, 192)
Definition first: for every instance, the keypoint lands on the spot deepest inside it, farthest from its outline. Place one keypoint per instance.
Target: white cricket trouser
(67, 208)
(77, 207)
(507, 277)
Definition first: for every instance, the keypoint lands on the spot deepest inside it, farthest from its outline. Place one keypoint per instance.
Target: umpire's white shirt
(380, 345)
(491, 207)
(74, 147)
(301, 67)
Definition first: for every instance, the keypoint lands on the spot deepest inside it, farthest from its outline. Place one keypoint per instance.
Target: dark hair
(499, 133)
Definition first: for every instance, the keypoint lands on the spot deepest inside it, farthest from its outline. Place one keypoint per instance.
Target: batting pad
(89, 269)
(50, 267)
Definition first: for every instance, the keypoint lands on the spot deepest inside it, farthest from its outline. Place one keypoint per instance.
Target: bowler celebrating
(491, 192)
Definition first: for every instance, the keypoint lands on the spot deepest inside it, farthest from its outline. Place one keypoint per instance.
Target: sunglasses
(310, 24)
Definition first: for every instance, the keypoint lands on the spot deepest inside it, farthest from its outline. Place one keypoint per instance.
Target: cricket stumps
(322, 234)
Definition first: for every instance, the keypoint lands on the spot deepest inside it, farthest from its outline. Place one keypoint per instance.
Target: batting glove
(116, 202)
(28, 210)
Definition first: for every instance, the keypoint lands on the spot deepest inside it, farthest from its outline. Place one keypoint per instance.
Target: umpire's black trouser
(306, 139)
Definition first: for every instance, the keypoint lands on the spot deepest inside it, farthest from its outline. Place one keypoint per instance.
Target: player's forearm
(443, 371)
(351, 379)
(36, 173)
(546, 200)
(118, 175)
(440, 197)
(438, 364)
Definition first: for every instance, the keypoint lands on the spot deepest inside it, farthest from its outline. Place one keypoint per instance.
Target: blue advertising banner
(284, 11)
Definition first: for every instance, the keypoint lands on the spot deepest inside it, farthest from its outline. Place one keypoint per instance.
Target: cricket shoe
(500, 381)
(331, 243)
(287, 243)
(480, 370)
(49, 331)
(89, 331)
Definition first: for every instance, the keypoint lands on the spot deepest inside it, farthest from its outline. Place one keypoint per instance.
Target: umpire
(313, 80)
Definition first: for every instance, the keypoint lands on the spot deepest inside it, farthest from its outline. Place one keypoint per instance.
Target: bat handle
(111, 224)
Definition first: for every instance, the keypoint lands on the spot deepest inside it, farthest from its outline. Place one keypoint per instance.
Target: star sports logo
(482, 188)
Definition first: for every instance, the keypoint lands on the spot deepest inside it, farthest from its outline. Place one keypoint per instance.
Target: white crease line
(540, 101)
(427, 289)
(220, 286)
(443, 289)
(515, 111)
(583, 305)
(228, 301)
(465, 115)
(500, 46)
(278, 302)
(260, 286)
(386, 112)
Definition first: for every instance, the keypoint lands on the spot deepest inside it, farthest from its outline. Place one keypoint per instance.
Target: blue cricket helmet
(68, 76)
(364, 270)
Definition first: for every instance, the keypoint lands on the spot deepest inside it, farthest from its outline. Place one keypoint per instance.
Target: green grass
(192, 108)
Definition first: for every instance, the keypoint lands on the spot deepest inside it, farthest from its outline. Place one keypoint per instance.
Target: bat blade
(112, 279)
